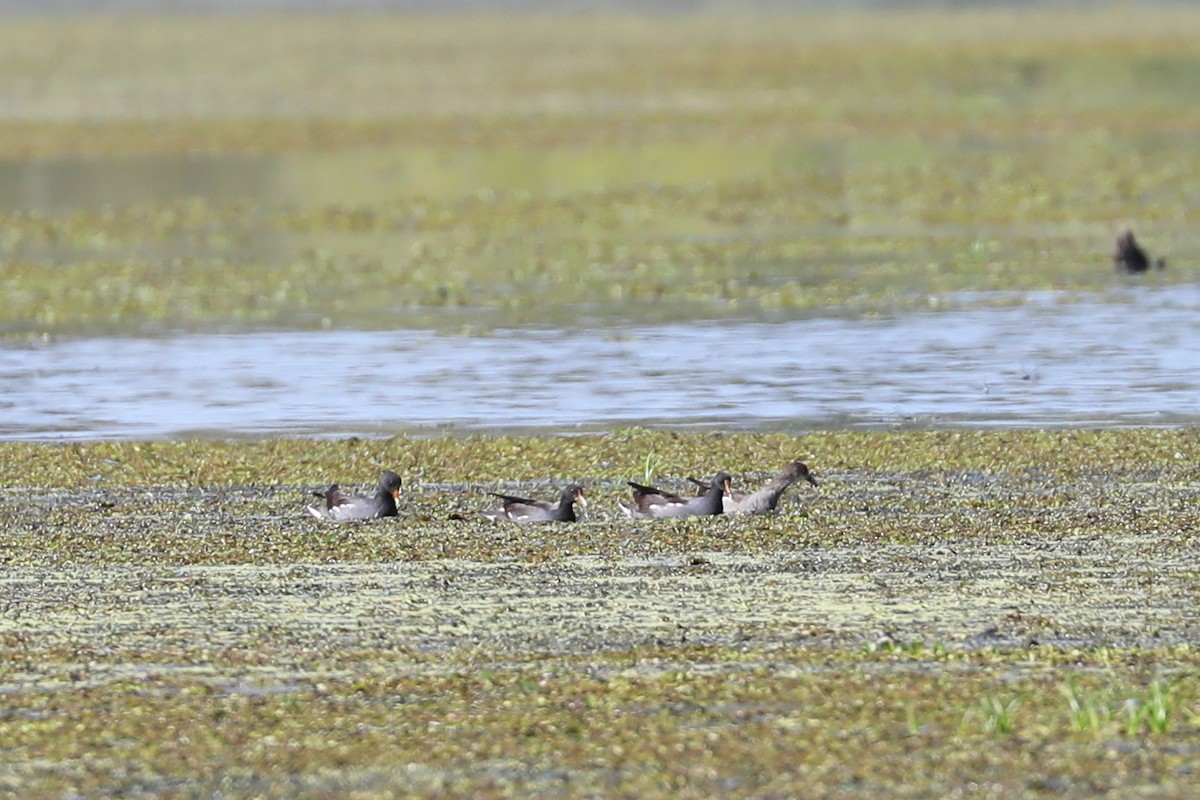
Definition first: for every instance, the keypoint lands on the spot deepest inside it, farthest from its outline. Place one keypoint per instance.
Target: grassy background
(475, 170)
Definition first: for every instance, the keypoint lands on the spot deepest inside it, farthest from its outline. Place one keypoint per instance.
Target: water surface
(1129, 361)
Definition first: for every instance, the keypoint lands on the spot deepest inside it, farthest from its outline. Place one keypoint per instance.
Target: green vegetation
(467, 172)
(951, 612)
(1009, 609)
(579, 726)
(1130, 459)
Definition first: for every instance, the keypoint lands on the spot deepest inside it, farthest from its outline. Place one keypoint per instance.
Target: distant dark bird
(651, 502)
(1130, 258)
(766, 498)
(342, 507)
(520, 509)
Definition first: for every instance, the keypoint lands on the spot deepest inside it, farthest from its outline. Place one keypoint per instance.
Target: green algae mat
(1011, 612)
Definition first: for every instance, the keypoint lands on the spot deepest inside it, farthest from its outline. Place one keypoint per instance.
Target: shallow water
(1130, 360)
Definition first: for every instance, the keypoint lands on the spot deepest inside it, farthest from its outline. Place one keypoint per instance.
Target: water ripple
(1131, 362)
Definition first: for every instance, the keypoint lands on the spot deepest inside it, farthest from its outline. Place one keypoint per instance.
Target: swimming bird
(766, 498)
(342, 507)
(520, 509)
(652, 502)
(1130, 258)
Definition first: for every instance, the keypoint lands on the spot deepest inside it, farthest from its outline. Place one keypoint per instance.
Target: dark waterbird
(342, 507)
(766, 498)
(650, 501)
(521, 509)
(1131, 259)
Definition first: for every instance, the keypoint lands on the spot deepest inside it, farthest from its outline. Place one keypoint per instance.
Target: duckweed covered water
(944, 605)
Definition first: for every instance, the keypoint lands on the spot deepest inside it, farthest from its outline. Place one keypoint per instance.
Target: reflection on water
(1120, 363)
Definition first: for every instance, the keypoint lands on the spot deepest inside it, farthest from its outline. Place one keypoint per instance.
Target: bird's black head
(389, 482)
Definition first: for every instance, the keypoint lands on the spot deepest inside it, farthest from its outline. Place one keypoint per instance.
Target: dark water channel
(1128, 358)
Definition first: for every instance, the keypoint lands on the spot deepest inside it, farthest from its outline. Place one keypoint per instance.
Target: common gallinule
(1130, 258)
(766, 498)
(652, 502)
(340, 506)
(521, 509)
